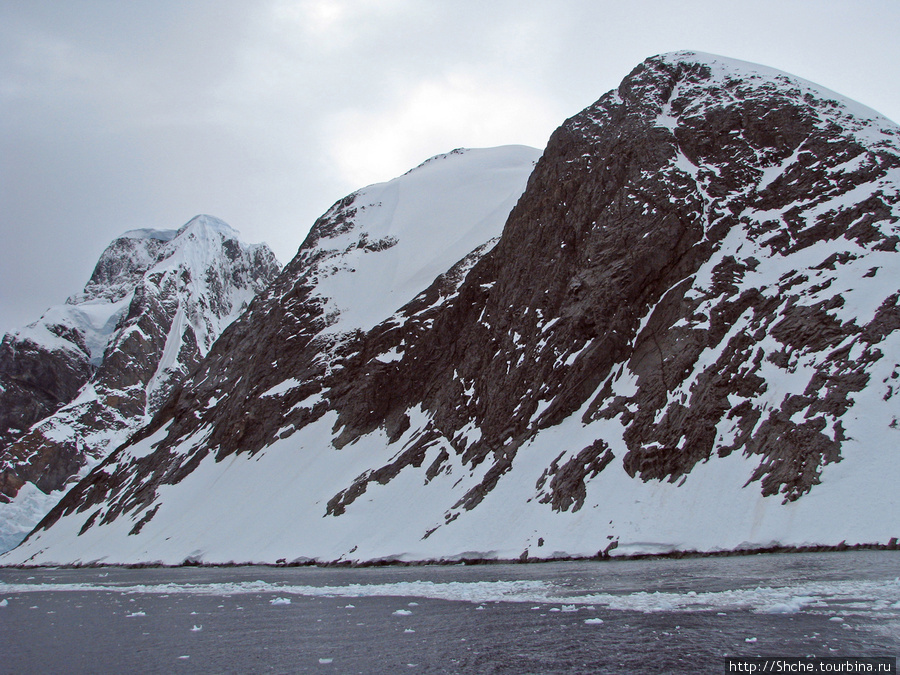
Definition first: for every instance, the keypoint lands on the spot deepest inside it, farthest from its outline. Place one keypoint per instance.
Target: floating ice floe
(816, 597)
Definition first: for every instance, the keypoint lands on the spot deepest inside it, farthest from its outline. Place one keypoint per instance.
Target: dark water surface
(647, 616)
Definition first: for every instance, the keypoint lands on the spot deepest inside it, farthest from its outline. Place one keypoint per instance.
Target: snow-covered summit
(130, 255)
(212, 223)
(379, 247)
(727, 81)
(200, 221)
(726, 71)
(78, 380)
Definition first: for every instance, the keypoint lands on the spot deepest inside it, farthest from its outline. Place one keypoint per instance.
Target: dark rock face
(123, 264)
(678, 265)
(151, 313)
(35, 382)
(621, 215)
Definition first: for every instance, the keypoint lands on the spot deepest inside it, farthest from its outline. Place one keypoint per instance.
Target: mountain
(684, 338)
(77, 382)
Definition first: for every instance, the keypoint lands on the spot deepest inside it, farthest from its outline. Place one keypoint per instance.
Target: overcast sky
(118, 115)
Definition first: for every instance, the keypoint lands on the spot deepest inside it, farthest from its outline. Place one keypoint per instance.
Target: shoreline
(603, 556)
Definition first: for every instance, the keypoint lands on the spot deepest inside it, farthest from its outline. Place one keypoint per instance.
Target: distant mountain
(685, 338)
(77, 382)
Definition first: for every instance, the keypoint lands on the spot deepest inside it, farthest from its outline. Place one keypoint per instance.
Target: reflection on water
(606, 617)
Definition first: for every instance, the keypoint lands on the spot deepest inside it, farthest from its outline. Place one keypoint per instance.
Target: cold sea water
(628, 616)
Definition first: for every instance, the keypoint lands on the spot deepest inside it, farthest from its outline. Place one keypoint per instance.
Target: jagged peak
(156, 301)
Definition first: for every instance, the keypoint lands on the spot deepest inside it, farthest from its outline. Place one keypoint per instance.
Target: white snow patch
(282, 387)
(393, 354)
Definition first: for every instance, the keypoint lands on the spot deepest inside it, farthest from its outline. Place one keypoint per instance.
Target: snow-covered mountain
(685, 338)
(77, 382)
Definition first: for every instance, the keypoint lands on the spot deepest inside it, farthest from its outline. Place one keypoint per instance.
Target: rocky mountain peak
(120, 267)
(77, 381)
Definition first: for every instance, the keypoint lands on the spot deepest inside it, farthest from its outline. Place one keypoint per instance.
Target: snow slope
(410, 230)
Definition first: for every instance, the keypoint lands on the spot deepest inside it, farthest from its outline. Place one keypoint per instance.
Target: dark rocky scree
(596, 270)
(130, 361)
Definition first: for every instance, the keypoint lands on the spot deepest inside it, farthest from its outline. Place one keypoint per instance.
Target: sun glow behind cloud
(331, 22)
(462, 109)
(369, 122)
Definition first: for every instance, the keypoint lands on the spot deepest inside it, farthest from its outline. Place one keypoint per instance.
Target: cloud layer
(263, 112)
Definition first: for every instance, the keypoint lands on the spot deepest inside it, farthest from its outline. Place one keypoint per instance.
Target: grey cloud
(117, 115)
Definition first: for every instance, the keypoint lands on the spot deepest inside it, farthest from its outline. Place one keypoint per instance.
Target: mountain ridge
(666, 349)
